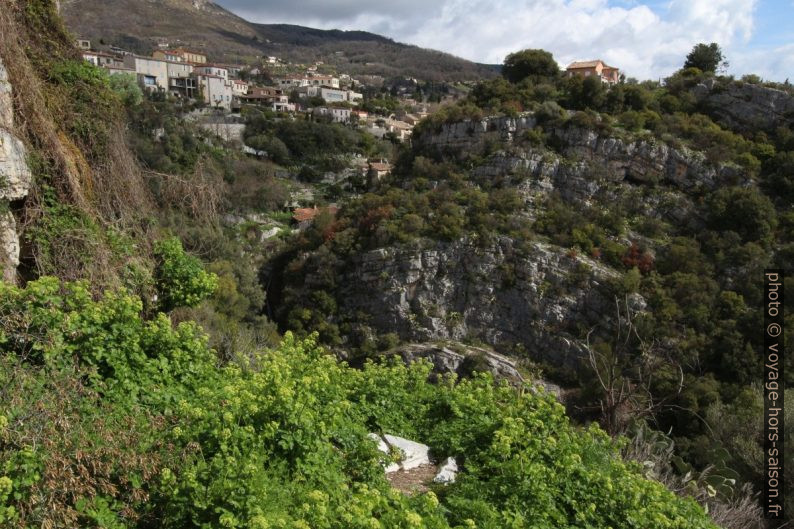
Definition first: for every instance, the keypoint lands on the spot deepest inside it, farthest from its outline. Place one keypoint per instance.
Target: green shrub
(180, 279)
(282, 440)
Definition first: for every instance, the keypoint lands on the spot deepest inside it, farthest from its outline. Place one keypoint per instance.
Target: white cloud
(645, 43)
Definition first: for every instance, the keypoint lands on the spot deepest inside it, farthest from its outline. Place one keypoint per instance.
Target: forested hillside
(175, 352)
(612, 238)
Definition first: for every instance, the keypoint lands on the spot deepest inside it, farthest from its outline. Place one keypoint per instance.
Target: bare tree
(625, 370)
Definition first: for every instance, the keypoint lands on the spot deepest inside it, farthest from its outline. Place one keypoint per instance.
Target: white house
(179, 69)
(212, 69)
(103, 60)
(239, 88)
(152, 73)
(333, 95)
(216, 90)
(338, 115)
(298, 81)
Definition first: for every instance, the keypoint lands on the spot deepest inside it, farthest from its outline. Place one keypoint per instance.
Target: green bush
(281, 441)
(180, 279)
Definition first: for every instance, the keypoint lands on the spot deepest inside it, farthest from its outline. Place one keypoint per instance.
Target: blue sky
(774, 23)
(647, 39)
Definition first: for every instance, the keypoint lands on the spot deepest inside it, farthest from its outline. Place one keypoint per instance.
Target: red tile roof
(309, 214)
(588, 64)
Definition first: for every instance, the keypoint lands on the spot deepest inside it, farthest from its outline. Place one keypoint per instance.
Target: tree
(706, 57)
(534, 64)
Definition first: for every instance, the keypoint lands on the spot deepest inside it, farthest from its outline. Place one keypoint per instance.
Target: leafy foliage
(281, 440)
(180, 278)
(530, 64)
(706, 58)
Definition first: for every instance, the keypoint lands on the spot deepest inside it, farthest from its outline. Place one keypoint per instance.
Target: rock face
(466, 135)
(15, 180)
(6, 107)
(448, 472)
(447, 360)
(746, 106)
(14, 172)
(526, 300)
(585, 154)
(413, 454)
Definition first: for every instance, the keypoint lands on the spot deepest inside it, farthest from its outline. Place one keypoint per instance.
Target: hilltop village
(224, 97)
(284, 87)
(275, 85)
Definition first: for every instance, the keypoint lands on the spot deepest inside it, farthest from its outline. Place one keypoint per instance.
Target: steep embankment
(532, 297)
(69, 181)
(15, 180)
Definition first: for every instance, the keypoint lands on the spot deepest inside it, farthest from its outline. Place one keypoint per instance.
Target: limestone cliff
(497, 293)
(15, 180)
(530, 298)
(745, 106)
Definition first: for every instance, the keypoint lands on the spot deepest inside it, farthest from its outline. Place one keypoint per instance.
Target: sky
(646, 39)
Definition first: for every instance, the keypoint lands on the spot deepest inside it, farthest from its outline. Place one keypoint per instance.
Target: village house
(185, 87)
(103, 60)
(330, 95)
(400, 129)
(83, 44)
(168, 55)
(258, 95)
(239, 88)
(120, 51)
(180, 55)
(152, 73)
(298, 81)
(304, 217)
(181, 81)
(233, 69)
(212, 69)
(216, 90)
(268, 96)
(116, 70)
(377, 169)
(179, 69)
(607, 74)
(337, 115)
(412, 119)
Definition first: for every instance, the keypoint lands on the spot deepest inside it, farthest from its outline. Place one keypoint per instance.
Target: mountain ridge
(226, 37)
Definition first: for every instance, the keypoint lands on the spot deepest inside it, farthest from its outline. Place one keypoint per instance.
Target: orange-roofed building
(305, 216)
(608, 74)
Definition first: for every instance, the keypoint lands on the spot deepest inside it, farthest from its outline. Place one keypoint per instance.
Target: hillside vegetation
(143, 384)
(614, 238)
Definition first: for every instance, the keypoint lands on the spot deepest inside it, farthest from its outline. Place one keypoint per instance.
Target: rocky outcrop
(460, 359)
(447, 472)
(452, 358)
(472, 135)
(6, 102)
(745, 106)
(584, 154)
(15, 180)
(531, 300)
